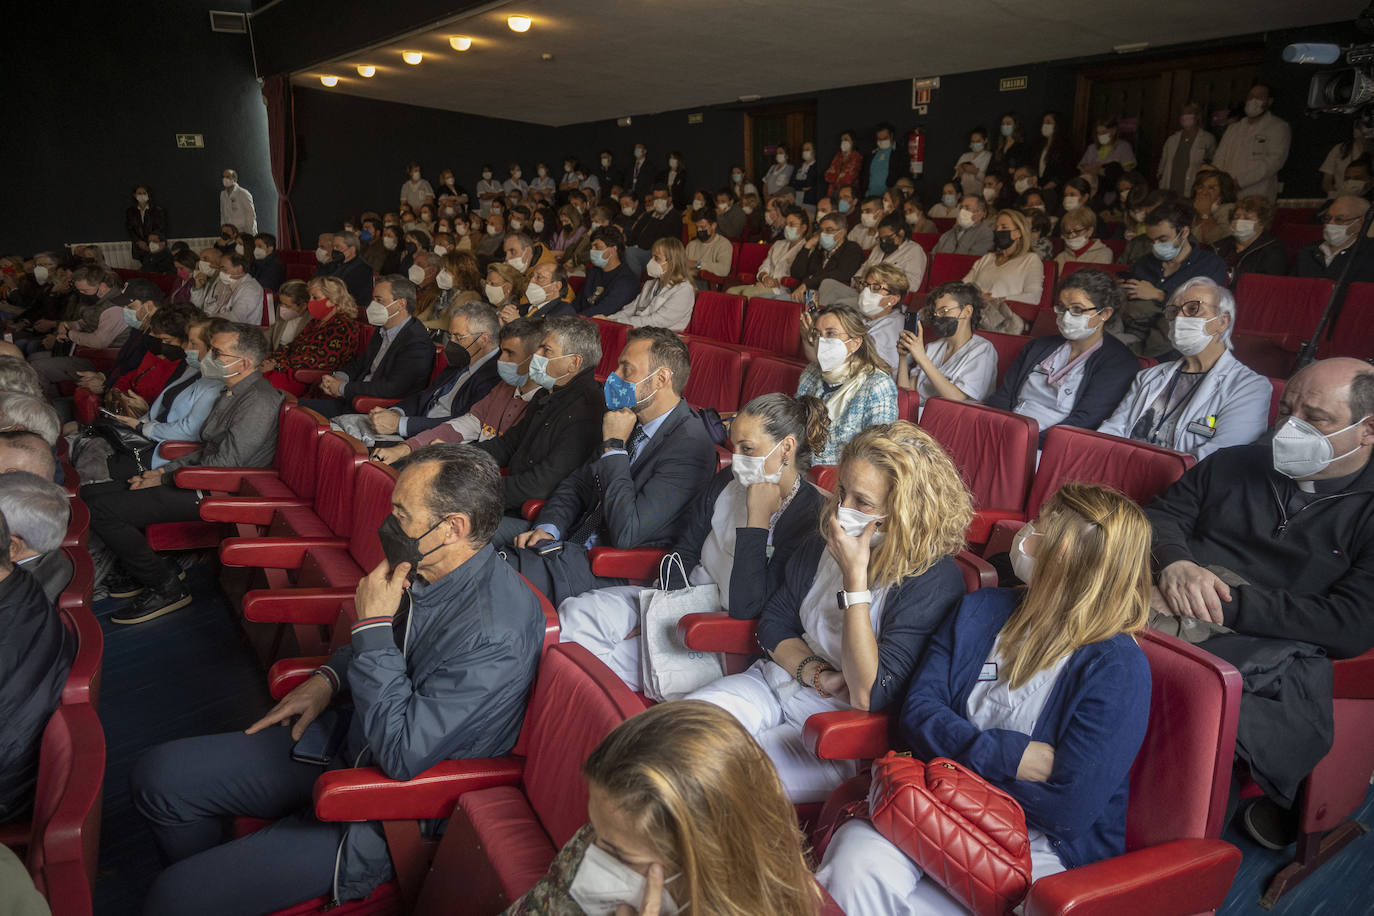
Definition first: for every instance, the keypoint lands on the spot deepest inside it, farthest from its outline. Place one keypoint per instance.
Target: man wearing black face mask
(350, 268)
(437, 670)
(893, 247)
(471, 373)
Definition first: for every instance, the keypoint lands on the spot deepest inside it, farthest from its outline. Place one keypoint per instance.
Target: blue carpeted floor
(192, 673)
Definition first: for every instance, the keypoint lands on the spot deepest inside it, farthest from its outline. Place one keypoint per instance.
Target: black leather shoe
(119, 585)
(1269, 824)
(154, 603)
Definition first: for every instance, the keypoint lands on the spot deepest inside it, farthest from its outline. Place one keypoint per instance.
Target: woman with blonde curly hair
(1043, 692)
(328, 339)
(683, 808)
(857, 604)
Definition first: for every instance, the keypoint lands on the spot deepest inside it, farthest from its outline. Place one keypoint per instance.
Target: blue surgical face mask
(621, 394)
(1167, 251)
(510, 373)
(193, 359)
(976, 146)
(843, 206)
(598, 258)
(539, 371)
(827, 241)
(365, 235)
(1007, 129)
(131, 317)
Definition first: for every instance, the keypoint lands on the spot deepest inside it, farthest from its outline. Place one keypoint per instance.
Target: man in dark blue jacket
(1154, 278)
(399, 357)
(655, 457)
(609, 285)
(439, 669)
(267, 268)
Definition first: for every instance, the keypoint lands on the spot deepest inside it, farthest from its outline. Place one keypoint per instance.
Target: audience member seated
(1214, 197)
(522, 253)
(655, 458)
(559, 430)
(35, 656)
(37, 511)
(292, 312)
(497, 411)
(267, 268)
(660, 222)
(130, 395)
(1340, 231)
(1058, 722)
(326, 340)
(667, 298)
(18, 375)
(609, 285)
(1108, 149)
(504, 287)
(233, 295)
(1078, 376)
(229, 240)
(1011, 272)
(971, 233)
(848, 375)
(1240, 555)
(954, 363)
(457, 281)
(470, 352)
(685, 814)
(21, 450)
(708, 251)
(890, 531)
(1251, 248)
(881, 287)
(185, 268)
(894, 248)
(1206, 400)
(948, 205)
(865, 234)
(1079, 230)
(1039, 226)
(99, 323)
(399, 358)
(158, 260)
(1152, 280)
(796, 226)
(145, 299)
(240, 431)
(825, 255)
(916, 218)
(21, 412)
(144, 220)
(437, 669)
(741, 532)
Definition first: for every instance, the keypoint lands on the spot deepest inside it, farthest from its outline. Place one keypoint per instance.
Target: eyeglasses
(949, 311)
(222, 355)
(828, 335)
(1340, 220)
(878, 287)
(1193, 308)
(1075, 311)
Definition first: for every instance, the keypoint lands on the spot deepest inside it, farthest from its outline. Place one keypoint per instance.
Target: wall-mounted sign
(694, 118)
(190, 141)
(1012, 83)
(920, 91)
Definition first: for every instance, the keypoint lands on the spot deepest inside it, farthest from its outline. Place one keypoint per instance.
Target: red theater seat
(1286, 308)
(74, 605)
(773, 325)
(1008, 347)
(716, 281)
(717, 375)
(717, 316)
(1352, 334)
(750, 259)
(767, 374)
(946, 268)
(1071, 267)
(612, 342)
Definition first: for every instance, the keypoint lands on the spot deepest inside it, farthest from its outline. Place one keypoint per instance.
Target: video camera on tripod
(1346, 91)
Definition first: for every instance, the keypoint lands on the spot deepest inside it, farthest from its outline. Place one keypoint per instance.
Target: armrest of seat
(308, 376)
(715, 279)
(365, 794)
(984, 520)
(364, 403)
(1001, 532)
(848, 734)
(531, 509)
(318, 606)
(273, 552)
(719, 632)
(790, 282)
(249, 510)
(173, 450)
(1171, 879)
(1354, 677)
(747, 277)
(289, 673)
(222, 480)
(640, 563)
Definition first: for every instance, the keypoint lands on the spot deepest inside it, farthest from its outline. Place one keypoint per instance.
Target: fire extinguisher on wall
(916, 150)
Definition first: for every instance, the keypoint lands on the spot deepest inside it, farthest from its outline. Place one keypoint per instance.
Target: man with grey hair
(27, 413)
(399, 358)
(471, 351)
(17, 375)
(23, 451)
(236, 204)
(522, 253)
(1205, 400)
(234, 294)
(38, 512)
(240, 431)
(1341, 230)
(348, 267)
(971, 233)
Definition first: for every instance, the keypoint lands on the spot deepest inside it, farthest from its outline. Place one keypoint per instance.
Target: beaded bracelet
(802, 667)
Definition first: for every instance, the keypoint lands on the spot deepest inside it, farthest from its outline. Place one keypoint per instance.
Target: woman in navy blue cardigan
(856, 606)
(1043, 692)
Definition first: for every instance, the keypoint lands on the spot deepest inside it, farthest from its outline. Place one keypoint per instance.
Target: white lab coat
(236, 209)
(1204, 148)
(1253, 153)
(1235, 395)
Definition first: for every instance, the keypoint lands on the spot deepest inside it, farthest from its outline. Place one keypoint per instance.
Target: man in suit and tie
(640, 175)
(655, 457)
(398, 360)
(471, 351)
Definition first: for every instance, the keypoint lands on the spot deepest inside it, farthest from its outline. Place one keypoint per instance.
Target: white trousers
(869, 876)
(599, 621)
(773, 708)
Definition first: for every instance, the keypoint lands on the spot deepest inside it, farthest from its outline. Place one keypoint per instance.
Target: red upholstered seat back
(773, 325)
(1072, 267)
(750, 258)
(824, 476)
(716, 377)
(767, 374)
(1270, 304)
(945, 267)
(926, 240)
(1182, 774)
(1353, 332)
(994, 450)
(66, 811)
(577, 701)
(1136, 469)
(298, 437)
(612, 342)
(372, 486)
(79, 525)
(1007, 347)
(340, 455)
(365, 332)
(717, 316)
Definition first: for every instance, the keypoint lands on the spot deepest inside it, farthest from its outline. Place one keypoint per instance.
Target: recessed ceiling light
(367, 71)
(330, 81)
(518, 23)
(546, 57)
(412, 57)
(460, 42)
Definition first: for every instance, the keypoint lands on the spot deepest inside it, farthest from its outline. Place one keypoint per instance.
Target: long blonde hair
(854, 326)
(1023, 244)
(928, 507)
(336, 291)
(708, 799)
(1092, 579)
(677, 270)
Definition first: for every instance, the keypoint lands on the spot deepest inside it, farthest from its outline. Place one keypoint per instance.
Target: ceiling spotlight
(546, 57)
(412, 57)
(460, 42)
(367, 71)
(330, 81)
(518, 23)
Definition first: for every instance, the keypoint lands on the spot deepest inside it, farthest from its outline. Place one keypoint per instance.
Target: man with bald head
(1276, 540)
(23, 451)
(1340, 231)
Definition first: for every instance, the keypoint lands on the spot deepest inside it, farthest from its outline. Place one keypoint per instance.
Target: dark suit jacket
(404, 370)
(644, 505)
(551, 440)
(472, 391)
(642, 184)
(357, 276)
(811, 267)
(678, 189)
(270, 273)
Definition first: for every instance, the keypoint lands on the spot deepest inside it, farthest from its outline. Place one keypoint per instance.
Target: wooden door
(766, 128)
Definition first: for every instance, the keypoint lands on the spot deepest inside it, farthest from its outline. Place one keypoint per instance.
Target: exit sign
(190, 141)
(1012, 83)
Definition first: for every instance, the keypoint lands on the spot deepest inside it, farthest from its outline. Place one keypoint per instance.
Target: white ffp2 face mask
(603, 883)
(377, 314)
(831, 353)
(1301, 450)
(870, 303)
(1022, 563)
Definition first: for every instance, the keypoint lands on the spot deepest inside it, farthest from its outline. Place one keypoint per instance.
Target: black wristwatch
(610, 444)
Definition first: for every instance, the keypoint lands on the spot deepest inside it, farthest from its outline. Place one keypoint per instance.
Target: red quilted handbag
(967, 835)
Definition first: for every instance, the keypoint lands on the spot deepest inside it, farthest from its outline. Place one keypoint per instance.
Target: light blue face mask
(598, 258)
(193, 359)
(843, 206)
(827, 241)
(976, 146)
(510, 374)
(1166, 251)
(131, 317)
(539, 371)
(1007, 129)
